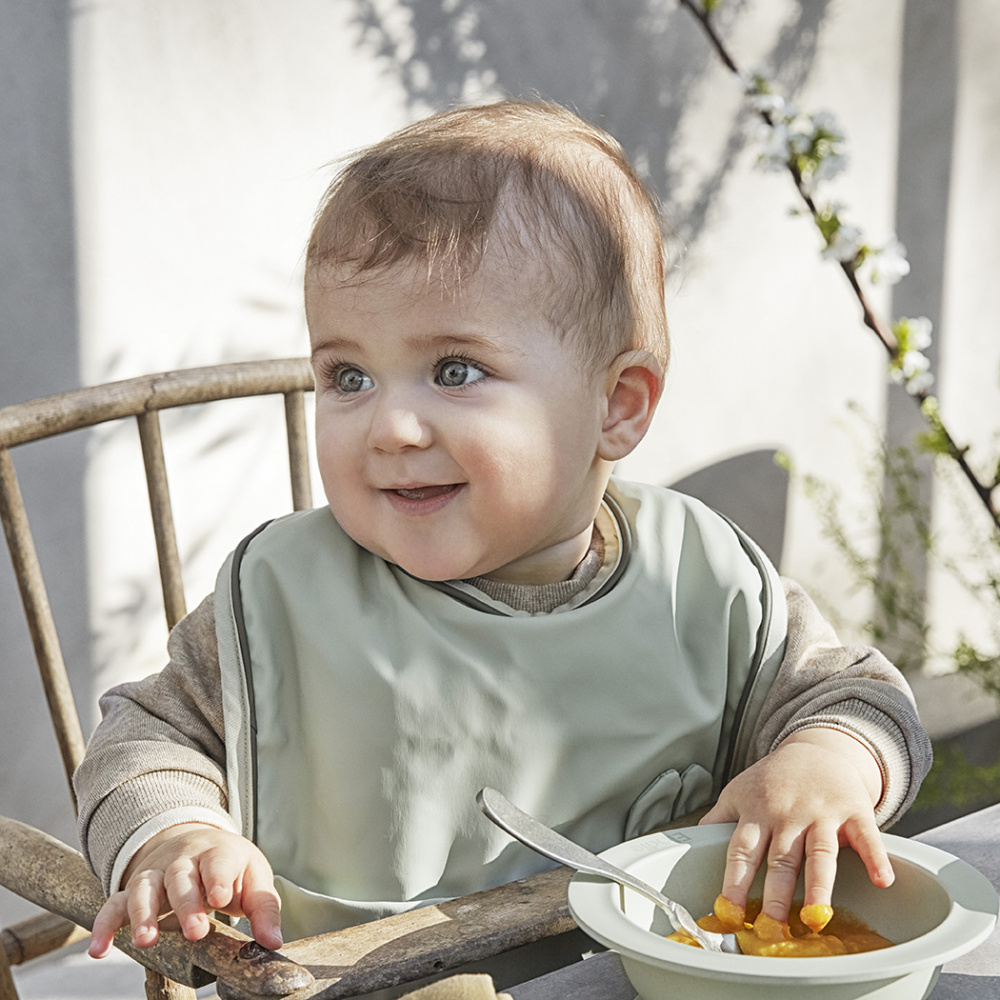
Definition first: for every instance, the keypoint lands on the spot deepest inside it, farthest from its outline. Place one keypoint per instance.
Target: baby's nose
(397, 427)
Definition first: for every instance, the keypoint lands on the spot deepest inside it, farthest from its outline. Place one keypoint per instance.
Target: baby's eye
(453, 372)
(350, 380)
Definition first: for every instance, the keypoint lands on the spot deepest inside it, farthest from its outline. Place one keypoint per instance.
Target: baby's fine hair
(552, 194)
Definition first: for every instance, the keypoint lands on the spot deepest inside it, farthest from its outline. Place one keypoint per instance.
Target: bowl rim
(593, 902)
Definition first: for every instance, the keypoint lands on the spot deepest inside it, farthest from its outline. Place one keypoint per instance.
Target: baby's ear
(634, 384)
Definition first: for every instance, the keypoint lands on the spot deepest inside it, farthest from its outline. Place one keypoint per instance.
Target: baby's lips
(425, 492)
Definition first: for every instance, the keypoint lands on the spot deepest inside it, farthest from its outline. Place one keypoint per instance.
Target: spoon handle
(545, 840)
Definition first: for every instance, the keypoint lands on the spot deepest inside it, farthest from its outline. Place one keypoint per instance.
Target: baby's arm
(152, 796)
(838, 750)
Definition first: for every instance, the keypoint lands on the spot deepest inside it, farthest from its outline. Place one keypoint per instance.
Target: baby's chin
(430, 563)
(432, 568)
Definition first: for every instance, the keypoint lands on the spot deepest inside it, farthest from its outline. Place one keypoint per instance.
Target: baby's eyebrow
(336, 345)
(472, 341)
(428, 341)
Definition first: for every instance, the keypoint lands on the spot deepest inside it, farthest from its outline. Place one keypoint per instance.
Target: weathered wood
(52, 875)
(41, 625)
(345, 963)
(158, 987)
(37, 936)
(78, 408)
(27, 874)
(298, 450)
(8, 990)
(171, 580)
(432, 939)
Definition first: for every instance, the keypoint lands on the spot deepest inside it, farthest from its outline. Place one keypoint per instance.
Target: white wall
(160, 166)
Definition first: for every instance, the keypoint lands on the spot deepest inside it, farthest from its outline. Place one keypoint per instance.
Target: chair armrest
(345, 963)
(50, 874)
(433, 939)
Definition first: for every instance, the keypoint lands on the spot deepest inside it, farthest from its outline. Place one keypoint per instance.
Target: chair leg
(8, 991)
(158, 987)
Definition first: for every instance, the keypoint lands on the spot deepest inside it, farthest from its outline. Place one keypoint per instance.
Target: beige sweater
(158, 757)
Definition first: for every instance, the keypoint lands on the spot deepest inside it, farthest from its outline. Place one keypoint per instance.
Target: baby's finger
(721, 812)
(262, 906)
(186, 897)
(112, 916)
(144, 899)
(820, 869)
(220, 873)
(863, 835)
(744, 856)
(784, 859)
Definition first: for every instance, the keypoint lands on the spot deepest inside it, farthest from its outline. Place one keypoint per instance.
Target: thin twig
(871, 320)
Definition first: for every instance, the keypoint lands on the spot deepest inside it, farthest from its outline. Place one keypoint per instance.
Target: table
(976, 976)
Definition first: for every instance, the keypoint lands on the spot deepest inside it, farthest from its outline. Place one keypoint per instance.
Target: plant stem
(870, 318)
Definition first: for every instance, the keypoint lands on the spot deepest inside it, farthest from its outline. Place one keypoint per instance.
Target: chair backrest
(141, 399)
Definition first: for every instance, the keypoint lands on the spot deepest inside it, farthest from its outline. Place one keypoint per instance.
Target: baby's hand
(815, 791)
(191, 868)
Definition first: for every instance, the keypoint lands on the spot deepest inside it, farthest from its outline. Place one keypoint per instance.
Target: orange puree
(813, 931)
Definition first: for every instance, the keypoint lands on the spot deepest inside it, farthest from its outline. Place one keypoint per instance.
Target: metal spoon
(554, 845)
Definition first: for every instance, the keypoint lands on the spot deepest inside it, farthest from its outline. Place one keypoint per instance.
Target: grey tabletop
(976, 976)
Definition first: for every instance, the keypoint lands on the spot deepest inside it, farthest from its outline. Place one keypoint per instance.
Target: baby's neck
(555, 564)
(546, 597)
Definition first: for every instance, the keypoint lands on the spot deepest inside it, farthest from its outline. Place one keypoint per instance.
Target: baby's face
(456, 436)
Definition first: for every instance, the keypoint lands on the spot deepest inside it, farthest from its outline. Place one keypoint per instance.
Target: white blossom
(800, 142)
(914, 363)
(776, 151)
(920, 333)
(916, 372)
(912, 371)
(845, 244)
(888, 265)
(826, 122)
(831, 165)
(911, 367)
(770, 104)
(808, 143)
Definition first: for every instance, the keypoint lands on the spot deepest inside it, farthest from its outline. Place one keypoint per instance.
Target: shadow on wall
(40, 351)
(631, 66)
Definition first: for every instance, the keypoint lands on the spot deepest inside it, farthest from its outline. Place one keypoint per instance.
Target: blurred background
(159, 167)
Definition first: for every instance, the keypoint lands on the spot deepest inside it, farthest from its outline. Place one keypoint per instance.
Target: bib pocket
(667, 797)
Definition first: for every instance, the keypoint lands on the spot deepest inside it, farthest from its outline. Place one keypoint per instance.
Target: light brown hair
(528, 180)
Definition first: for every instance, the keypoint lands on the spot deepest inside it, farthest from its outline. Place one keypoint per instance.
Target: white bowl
(938, 908)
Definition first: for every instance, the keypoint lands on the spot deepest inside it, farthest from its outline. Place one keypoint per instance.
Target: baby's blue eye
(453, 373)
(352, 380)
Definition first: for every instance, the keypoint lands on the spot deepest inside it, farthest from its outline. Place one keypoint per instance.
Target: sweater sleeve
(851, 688)
(158, 756)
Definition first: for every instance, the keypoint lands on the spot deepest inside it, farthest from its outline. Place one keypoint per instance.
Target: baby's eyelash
(463, 360)
(326, 368)
(328, 372)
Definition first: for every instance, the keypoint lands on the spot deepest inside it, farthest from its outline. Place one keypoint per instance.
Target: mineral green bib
(365, 708)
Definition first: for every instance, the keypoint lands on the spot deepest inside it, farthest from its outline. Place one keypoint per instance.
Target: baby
(481, 602)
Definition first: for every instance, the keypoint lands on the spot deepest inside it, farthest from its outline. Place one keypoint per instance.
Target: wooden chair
(49, 873)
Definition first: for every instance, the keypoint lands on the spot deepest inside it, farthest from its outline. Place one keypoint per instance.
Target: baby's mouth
(426, 492)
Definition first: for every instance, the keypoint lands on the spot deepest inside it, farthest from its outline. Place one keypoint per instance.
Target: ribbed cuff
(149, 829)
(884, 739)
